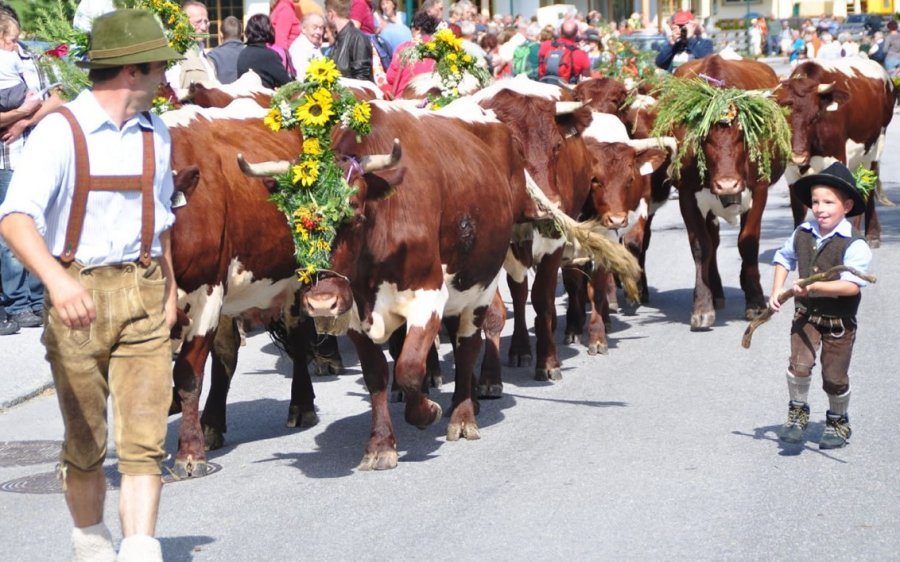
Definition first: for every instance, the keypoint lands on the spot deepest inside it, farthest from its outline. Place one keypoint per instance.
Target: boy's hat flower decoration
(314, 193)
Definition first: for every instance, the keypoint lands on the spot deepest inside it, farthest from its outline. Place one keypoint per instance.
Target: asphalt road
(663, 450)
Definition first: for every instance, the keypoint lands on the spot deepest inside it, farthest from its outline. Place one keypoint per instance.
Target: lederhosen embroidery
(85, 183)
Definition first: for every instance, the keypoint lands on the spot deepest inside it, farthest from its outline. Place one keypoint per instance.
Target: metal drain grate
(46, 482)
(26, 453)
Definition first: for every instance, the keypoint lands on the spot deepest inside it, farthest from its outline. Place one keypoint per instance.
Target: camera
(684, 36)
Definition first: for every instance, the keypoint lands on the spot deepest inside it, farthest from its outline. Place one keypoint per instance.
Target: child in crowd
(12, 85)
(825, 315)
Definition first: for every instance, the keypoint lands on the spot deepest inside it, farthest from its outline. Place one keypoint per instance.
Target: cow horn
(825, 88)
(669, 143)
(566, 107)
(375, 162)
(263, 169)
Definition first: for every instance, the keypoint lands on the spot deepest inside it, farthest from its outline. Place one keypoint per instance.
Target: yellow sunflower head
(316, 110)
(273, 119)
(362, 112)
(323, 71)
(312, 147)
(305, 173)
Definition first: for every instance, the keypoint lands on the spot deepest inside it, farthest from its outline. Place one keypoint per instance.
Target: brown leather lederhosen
(85, 183)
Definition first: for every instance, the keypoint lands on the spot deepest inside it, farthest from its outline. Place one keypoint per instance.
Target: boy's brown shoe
(837, 431)
(798, 419)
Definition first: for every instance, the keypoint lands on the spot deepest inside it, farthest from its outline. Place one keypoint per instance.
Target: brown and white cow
(233, 253)
(839, 112)
(618, 203)
(732, 188)
(425, 246)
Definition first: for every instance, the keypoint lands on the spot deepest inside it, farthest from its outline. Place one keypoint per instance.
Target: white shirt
(302, 51)
(88, 10)
(43, 184)
(12, 70)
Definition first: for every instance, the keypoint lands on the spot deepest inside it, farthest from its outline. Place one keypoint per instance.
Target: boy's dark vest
(810, 261)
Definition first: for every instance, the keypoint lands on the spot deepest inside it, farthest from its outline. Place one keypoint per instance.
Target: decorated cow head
(808, 97)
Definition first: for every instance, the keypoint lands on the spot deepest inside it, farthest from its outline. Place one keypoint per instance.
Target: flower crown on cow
(452, 63)
(54, 26)
(314, 193)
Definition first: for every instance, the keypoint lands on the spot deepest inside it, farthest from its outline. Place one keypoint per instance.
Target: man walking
(105, 260)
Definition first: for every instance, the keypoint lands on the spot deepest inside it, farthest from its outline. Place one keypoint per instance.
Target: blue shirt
(43, 184)
(857, 256)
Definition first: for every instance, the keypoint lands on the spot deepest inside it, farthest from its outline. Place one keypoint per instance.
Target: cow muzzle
(325, 304)
(727, 186)
(614, 221)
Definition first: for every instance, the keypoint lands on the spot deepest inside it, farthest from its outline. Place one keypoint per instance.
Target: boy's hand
(800, 290)
(774, 305)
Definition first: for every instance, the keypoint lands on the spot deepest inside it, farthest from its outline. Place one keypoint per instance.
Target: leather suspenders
(85, 183)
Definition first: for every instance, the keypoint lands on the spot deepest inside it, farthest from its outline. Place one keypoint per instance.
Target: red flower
(59, 51)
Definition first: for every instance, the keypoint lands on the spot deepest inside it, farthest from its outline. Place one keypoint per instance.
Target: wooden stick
(788, 294)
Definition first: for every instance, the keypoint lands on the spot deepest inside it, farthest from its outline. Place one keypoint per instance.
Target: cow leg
(409, 373)
(798, 209)
(190, 460)
(748, 245)
(637, 240)
(224, 364)
(465, 406)
(433, 376)
(520, 345)
(302, 409)
(381, 449)
(715, 279)
(543, 299)
(703, 315)
(598, 291)
(490, 384)
(575, 280)
(873, 225)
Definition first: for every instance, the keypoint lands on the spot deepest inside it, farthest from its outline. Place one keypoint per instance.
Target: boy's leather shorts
(835, 338)
(126, 353)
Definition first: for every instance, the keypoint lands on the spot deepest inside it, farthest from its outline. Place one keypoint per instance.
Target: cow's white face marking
(394, 307)
(241, 108)
(709, 203)
(606, 127)
(643, 101)
(856, 66)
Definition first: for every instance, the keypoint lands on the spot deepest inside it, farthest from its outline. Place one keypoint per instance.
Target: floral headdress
(314, 193)
(452, 62)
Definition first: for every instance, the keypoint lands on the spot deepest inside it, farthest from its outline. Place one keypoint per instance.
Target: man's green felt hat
(128, 37)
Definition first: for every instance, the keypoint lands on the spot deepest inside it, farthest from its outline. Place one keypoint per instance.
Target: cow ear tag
(178, 200)
(646, 168)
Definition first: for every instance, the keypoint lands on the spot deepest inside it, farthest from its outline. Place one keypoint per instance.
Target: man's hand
(15, 130)
(72, 302)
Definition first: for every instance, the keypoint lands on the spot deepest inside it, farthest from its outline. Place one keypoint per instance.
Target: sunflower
(305, 173)
(312, 147)
(322, 71)
(362, 113)
(316, 111)
(273, 119)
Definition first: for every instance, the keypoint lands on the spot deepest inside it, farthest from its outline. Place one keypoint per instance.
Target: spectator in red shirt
(285, 22)
(361, 15)
(400, 73)
(574, 61)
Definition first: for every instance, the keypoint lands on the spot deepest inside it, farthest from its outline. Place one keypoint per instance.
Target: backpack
(381, 48)
(525, 59)
(556, 69)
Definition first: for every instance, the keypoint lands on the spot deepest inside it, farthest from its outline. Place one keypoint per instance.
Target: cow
(232, 253)
(617, 202)
(425, 246)
(249, 85)
(733, 188)
(839, 112)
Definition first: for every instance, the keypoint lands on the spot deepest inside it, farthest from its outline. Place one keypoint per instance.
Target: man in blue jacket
(686, 43)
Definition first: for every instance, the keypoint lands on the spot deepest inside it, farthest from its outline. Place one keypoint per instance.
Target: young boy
(826, 310)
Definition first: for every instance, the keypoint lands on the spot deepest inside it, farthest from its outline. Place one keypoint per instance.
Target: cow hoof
(436, 412)
(325, 366)
(874, 243)
(384, 460)
(302, 419)
(598, 348)
(520, 360)
(553, 374)
(465, 430)
(490, 391)
(571, 339)
(189, 468)
(702, 322)
(213, 438)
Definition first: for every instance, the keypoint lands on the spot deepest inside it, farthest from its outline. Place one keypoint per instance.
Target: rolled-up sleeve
(786, 256)
(858, 256)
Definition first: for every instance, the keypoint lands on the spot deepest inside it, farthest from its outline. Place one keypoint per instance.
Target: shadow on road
(811, 443)
(178, 549)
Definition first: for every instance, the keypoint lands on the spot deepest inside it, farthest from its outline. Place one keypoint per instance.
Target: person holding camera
(686, 43)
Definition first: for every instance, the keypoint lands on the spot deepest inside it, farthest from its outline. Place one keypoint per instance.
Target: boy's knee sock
(140, 548)
(92, 544)
(798, 387)
(838, 403)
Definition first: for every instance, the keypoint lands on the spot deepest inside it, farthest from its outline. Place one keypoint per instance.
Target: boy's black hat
(837, 176)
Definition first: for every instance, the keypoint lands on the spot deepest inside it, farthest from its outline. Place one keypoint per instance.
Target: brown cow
(232, 253)
(839, 112)
(733, 188)
(431, 252)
